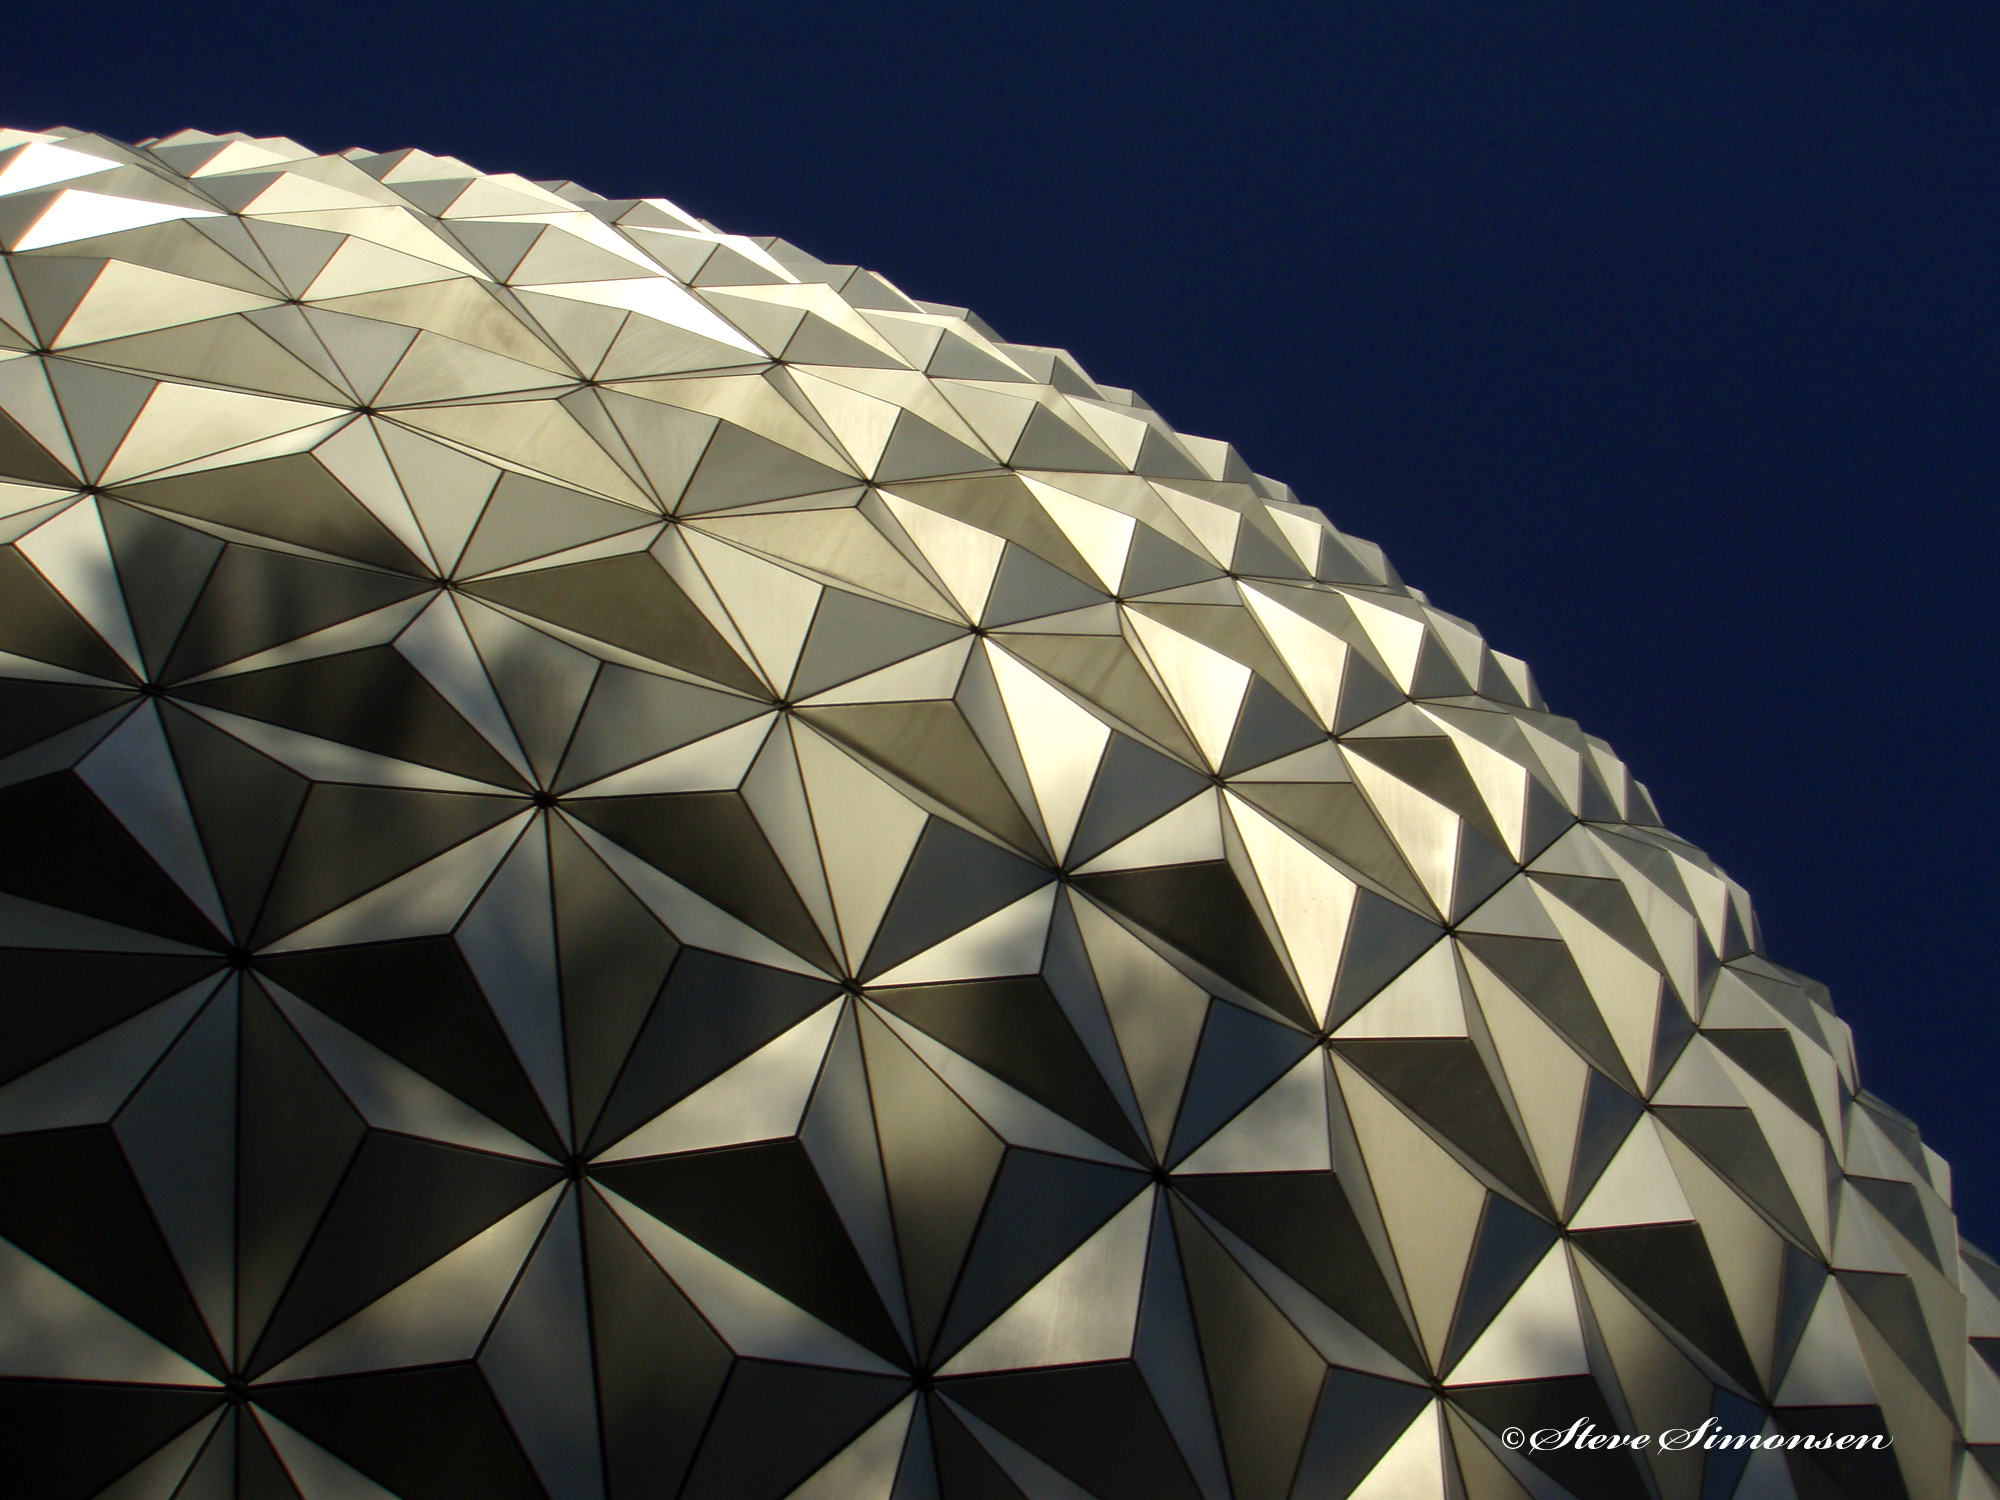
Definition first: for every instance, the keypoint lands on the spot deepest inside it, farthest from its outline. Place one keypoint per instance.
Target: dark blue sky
(1661, 341)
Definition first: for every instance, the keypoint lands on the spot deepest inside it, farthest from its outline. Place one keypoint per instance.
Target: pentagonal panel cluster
(632, 865)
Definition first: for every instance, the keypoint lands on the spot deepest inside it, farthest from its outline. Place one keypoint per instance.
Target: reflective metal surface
(632, 865)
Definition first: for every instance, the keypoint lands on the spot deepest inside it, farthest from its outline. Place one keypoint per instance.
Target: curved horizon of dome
(633, 864)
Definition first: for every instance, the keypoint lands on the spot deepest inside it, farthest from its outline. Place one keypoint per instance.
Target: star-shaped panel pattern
(634, 866)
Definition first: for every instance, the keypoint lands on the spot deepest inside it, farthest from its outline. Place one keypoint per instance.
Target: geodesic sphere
(634, 866)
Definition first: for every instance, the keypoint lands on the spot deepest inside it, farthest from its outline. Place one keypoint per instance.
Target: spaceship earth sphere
(634, 866)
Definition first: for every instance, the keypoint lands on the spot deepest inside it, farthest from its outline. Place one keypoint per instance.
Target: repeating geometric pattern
(634, 866)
